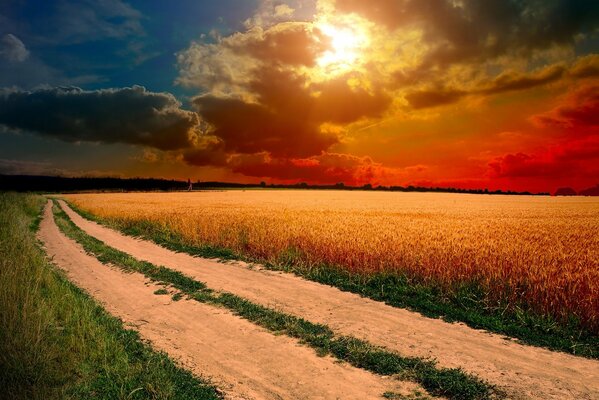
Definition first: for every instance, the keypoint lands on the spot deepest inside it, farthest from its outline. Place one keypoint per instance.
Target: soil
(240, 358)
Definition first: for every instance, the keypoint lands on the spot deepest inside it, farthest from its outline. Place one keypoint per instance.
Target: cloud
(326, 168)
(270, 12)
(28, 167)
(339, 103)
(209, 66)
(279, 108)
(13, 49)
(127, 115)
(291, 43)
(286, 116)
(579, 111)
(507, 81)
(433, 97)
(574, 153)
(88, 20)
(471, 30)
(209, 151)
(20, 68)
(274, 109)
(22, 167)
(512, 80)
(257, 128)
(586, 67)
(573, 158)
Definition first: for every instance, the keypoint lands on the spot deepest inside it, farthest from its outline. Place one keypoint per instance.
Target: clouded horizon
(494, 94)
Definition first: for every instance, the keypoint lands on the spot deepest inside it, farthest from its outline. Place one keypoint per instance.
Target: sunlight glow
(345, 50)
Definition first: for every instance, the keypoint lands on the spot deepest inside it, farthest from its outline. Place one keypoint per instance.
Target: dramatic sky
(502, 94)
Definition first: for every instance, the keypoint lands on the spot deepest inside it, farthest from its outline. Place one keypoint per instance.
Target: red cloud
(580, 110)
(575, 158)
(327, 168)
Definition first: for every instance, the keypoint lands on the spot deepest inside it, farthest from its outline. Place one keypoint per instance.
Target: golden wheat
(543, 251)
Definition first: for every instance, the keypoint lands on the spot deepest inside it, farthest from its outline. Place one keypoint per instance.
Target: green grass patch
(177, 296)
(56, 342)
(452, 383)
(467, 304)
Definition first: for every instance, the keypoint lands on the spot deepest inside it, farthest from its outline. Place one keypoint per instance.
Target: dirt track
(525, 371)
(244, 360)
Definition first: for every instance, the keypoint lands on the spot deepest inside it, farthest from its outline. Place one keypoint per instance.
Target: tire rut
(242, 359)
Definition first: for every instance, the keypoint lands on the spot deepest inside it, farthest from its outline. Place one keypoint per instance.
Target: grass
(56, 342)
(468, 304)
(452, 383)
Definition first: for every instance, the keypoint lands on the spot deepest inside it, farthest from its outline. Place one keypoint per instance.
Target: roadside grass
(468, 305)
(451, 383)
(56, 342)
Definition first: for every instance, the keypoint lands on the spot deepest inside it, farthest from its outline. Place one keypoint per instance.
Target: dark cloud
(339, 103)
(505, 82)
(250, 128)
(433, 97)
(18, 167)
(586, 67)
(278, 122)
(128, 115)
(509, 81)
(474, 30)
(210, 152)
(286, 119)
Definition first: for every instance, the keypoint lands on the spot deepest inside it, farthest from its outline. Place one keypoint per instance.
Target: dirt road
(524, 371)
(244, 360)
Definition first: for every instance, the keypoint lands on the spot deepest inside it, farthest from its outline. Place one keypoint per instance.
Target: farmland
(533, 254)
(193, 315)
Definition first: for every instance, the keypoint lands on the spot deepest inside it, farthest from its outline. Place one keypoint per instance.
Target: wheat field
(538, 251)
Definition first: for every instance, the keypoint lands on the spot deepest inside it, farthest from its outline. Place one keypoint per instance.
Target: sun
(345, 47)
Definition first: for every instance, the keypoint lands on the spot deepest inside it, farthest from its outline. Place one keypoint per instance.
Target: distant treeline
(51, 184)
(54, 184)
(341, 186)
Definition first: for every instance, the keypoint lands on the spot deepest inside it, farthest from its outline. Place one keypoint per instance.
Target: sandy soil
(524, 371)
(244, 360)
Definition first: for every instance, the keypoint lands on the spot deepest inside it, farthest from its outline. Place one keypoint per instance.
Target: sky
(497, 94)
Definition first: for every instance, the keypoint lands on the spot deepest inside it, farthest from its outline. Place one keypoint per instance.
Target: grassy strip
(56, 342)
(469, 304)
(452, 383)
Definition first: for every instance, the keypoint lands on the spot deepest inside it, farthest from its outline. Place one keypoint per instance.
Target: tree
(592, 191)
(565, 191)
